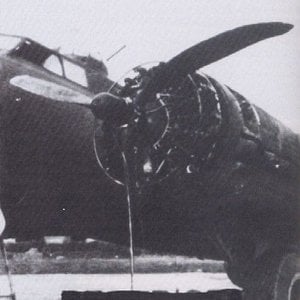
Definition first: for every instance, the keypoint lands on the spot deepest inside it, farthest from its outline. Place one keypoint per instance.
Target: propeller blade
(209, 51)
(225, 44)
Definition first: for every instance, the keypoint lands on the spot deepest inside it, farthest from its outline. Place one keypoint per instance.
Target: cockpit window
(52, 63)
(68, 69)
(42, 56)
(75, 73)
(8, 42)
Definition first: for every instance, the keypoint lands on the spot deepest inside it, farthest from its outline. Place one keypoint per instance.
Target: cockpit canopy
(65, 66)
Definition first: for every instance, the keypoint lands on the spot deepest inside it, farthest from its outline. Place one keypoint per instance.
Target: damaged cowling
(175, 132)
(174, 114)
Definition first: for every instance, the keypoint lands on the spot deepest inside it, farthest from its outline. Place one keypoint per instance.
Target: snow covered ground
(50, 286)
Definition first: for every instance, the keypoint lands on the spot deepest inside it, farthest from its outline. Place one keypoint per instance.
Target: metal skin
(241, 205)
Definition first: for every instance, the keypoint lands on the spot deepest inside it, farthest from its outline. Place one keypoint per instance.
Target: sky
(268, 73)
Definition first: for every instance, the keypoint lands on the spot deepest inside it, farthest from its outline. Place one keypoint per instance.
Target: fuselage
(244, 199)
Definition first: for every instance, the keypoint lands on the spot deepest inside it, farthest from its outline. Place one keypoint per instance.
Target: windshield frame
(20, 38)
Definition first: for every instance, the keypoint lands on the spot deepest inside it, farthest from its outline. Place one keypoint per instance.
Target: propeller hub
(112, 109)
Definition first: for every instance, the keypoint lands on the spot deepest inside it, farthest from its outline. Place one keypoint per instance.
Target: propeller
(115, 111)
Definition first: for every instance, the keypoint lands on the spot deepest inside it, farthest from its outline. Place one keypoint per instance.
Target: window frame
(60, 62)
(64, 58)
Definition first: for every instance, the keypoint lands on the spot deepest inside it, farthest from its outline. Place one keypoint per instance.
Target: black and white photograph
(149, 150)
